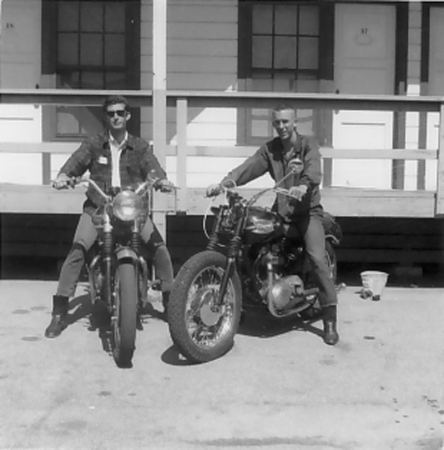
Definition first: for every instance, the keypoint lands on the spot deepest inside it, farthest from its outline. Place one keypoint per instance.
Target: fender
(126, 253)
(140, 263)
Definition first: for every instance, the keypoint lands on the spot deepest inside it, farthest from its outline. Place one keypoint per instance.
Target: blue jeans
(84, 238)
(311, 228)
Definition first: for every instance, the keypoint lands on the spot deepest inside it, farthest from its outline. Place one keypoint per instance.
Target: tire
(125, 313)
(315, 310)
(200, 333)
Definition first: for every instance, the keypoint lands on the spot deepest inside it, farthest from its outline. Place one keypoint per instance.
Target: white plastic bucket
(374, 283)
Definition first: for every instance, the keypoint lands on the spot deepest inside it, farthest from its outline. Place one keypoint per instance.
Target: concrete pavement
(281, 387)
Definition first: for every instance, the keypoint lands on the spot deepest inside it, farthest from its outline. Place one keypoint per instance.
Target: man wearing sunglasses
(113, 158)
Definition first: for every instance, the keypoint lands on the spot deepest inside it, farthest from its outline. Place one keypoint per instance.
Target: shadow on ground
(426, 275)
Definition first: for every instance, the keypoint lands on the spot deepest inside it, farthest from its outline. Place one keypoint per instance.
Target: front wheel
(125, 313)
(200, 329)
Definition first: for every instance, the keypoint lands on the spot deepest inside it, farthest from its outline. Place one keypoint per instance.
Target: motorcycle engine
(285, 291)
(275, 270)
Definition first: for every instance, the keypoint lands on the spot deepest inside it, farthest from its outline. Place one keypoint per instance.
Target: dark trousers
(84, 238)
(311, 228)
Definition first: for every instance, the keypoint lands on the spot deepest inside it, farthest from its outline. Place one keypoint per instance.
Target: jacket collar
(278, 148)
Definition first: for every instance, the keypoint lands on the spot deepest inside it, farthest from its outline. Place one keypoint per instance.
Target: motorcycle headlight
(127, 206)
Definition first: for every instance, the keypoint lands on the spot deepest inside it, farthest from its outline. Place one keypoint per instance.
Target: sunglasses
(119, 112)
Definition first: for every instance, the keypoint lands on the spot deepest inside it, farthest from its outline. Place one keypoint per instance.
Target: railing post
(46, 168)
(159, 101)
(181, 161)
(439, 210)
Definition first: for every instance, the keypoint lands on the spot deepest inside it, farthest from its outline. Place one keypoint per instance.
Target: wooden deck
(341, 202)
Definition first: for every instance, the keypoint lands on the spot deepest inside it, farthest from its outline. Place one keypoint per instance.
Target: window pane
(92, 16)
(283, 83)
(286, 20)
(309, 20)
(259, 128)
(66, 122)
(308, 53)
(262, 19)
(262, 84)
(115, 50)
(69, 80)
(115, 80)
(91, 52)
(92, 80)
(68, 16)
(114, 17)
(68, 49)
(262, 52)
(284, 52)
(308, 86)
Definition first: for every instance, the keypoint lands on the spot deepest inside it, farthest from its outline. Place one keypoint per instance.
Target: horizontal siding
(208, 31)
(201, 55)
(187, 65)
(206, 64)
(197, 47)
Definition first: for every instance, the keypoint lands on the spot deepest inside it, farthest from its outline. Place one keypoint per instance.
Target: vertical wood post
(46, 168)
(159, 101)
(181, 121)
(439, 210)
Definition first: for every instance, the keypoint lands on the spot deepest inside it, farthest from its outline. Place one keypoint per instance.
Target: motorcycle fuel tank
(262, 222)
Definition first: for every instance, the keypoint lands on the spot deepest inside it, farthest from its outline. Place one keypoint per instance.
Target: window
(90, 45)
(281, 51)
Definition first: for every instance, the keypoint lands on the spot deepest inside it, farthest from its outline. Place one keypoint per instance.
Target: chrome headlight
(127, 206)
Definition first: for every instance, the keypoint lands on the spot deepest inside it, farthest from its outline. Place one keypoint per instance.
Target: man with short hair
(277, 157)
(113, 158)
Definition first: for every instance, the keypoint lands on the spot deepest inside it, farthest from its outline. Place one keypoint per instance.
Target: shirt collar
(114, 142)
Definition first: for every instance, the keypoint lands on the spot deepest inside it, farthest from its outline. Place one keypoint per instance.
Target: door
(436, 87)
(364, 64)
(20, 69)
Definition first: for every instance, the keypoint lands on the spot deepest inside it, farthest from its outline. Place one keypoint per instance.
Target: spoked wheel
(201, 329)
(314, 311)
(125, 314)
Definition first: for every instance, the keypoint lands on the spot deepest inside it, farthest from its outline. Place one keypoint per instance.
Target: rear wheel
(125, 313)
(200, 329)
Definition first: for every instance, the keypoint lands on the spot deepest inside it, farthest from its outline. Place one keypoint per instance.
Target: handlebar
(278, 190)
(150, 183)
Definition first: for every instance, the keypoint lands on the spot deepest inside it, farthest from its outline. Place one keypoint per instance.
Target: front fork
(108, 258)
(233, 253)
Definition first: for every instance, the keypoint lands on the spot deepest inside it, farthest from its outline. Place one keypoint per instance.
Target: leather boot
(331, 336)
(58, 320)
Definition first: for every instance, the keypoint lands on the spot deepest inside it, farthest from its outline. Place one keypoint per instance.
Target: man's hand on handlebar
(166, 185)
(298, 191)
(213, 190)
(63, 181)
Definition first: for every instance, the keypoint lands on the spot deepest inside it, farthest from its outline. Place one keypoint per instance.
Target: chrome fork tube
(92, 278)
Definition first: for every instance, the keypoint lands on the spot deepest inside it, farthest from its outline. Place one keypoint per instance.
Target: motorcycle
(249, 262)
(118, 273)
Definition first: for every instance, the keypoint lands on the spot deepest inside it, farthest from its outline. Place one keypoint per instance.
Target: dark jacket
(136, 161)
(269, 158)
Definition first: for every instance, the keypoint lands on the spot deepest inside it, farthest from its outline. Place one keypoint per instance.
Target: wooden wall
(201, 55)
(368, 243)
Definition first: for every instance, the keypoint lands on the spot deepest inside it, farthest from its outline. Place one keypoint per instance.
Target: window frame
(325, 70)
(49, 61)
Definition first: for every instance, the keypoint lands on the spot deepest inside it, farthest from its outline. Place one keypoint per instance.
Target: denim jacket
(137, 160)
